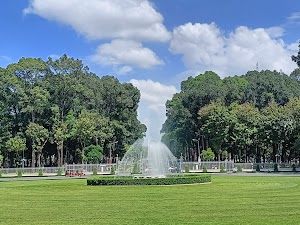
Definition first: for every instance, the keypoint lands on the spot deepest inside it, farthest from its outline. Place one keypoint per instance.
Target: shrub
(188, 179)
(257, 168)
(222, 169)
(113, 170)
(207, 155)
(275, 167)
(204, 169)
(239, 168)
(294, 168)
(186, 169)
(19, 173)
(0, 173)
(59, 172)
(95, 171)
(40, 172)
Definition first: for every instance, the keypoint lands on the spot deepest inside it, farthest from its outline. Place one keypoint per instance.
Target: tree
(296, 58)
(16, 144)
(216, 120)
(93, 153)
(1, 159)
(39, 136)
(208, 155)
(85, 128)
(35, 101)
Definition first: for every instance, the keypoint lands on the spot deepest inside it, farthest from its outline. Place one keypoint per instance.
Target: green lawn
(227, 200)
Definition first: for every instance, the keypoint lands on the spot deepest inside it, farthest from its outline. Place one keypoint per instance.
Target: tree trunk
(39, 159)
(62, 153)
(82, 153)
(58, 155)
(33, 158)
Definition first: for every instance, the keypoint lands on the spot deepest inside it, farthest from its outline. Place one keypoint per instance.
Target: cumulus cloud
(205, 47)
(128, 53)
(129, 19)
(152, 111)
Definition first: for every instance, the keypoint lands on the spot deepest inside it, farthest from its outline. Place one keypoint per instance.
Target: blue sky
(154, 44)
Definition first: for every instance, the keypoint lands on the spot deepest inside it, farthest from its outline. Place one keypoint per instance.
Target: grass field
(227, 200)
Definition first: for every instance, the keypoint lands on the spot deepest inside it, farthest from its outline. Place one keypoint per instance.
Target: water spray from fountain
(148, 159)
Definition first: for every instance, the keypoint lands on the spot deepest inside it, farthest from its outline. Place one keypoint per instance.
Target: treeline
(253, 117)
(56, 111)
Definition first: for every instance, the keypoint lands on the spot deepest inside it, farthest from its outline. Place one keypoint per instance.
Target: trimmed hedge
(129, 180)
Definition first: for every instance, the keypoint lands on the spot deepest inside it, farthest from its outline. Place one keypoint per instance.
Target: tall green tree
(16, 145)
(39, 136)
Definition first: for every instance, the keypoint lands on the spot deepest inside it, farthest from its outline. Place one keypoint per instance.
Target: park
(229, 199)
(149, 112)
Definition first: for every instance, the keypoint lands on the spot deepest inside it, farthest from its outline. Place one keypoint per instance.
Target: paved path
(30, 178)
(3, 179)
(261, 174)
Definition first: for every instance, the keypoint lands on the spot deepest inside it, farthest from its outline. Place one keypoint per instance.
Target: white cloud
(205, 47)
(275, 32)
(152, 111)
(129, 19)
(294, 18)
(190, 38)
(128, 53)
(124, 70)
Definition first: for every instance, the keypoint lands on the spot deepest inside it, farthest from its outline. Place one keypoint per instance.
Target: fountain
(148, 159)
(152, 161)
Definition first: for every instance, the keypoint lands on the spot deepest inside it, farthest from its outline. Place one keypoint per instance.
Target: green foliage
(19, 173)
(204, 169)
(40, 172)
(93, 153)
(60, 104)
(257, 168)
(16, 144)
(186, 168)
(239, 168)
(203, 178)
(252, 113)
(222, 169)
(0, 173)
(275, 167)
(1, 160)
(59, 172)
(95, 172)
(296, 58)
(207, 155)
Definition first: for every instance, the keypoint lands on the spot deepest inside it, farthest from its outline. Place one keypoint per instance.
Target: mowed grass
(227, 200)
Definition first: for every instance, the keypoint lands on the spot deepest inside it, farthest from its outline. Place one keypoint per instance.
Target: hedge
(130, 180)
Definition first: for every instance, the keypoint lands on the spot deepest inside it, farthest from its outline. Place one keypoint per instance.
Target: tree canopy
(252, 117)
(58, 108)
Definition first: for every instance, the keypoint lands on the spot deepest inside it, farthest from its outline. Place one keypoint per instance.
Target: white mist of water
(148, 158)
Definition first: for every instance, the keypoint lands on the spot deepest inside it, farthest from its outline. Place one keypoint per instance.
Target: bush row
(203, 178)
